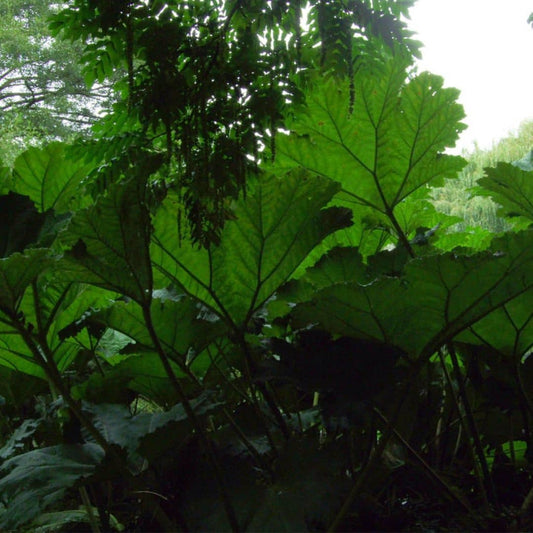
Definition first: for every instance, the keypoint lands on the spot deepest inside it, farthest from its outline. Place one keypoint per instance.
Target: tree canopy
(43, 94)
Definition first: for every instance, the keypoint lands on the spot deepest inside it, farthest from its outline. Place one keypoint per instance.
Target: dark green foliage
(357, 368)
(315, 352)
(36, 479)
(20, 223)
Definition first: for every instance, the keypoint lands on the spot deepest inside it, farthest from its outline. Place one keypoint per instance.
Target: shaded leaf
(119, 426)
(20, 223)
(297, 497)
(436, 297)
(33, 481)
(509, 329)
(16, 273)
(112, 238)
(301, 498)
(19, 387)
(177, 321)
(17, 439)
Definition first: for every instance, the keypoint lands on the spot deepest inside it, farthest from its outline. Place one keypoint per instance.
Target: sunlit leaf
(50, 178)
(389, 147)
(275, 227)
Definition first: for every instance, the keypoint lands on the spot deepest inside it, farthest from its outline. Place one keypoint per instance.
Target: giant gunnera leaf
(50, 178)
(431, 301)
(387, 147)
(111, 243)
(177, 320)
(275, 227)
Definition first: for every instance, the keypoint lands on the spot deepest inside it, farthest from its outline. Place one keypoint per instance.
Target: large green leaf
(129, 376)
(388, 147)
(33, 481)
(16, 355)
(177, 323)
(511, 187)
(52, 304)
(509, 329)
(44, 308)
(50, 178)
(275, 227)
(436, 297)
(112, 238)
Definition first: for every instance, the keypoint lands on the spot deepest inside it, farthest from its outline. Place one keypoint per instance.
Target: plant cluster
(211, 322)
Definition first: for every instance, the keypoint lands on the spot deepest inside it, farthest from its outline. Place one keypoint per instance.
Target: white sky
(484, 48)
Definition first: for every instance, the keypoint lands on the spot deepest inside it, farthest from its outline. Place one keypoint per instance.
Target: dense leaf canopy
(232, 305)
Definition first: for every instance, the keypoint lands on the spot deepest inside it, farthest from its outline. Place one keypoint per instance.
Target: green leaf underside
(177, 324)
(274, 229)
(49, 178)
(508, 329)
(112, 243)
(119, 426)
(16, 273)
(511, 187)
(390, 145)
(436, 298)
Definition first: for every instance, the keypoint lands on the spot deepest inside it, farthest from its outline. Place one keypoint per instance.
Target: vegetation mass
(245, 298)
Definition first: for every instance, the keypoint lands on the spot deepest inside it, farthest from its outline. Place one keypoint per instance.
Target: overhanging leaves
(508, 329)
(15, 354)
(120, 427)
(177, 323)
(511, 187)
(274, 229)
(388, 147)
(16, 274)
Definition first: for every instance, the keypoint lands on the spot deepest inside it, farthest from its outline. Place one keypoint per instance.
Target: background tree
(43, 94)
(457, 198)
